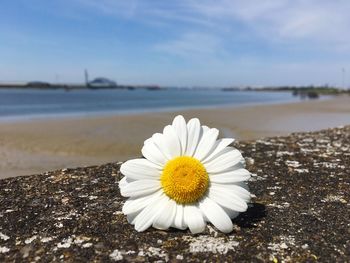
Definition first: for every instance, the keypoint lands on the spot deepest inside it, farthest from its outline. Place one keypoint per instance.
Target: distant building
(86, 74)
(38, 84)
(102, 83)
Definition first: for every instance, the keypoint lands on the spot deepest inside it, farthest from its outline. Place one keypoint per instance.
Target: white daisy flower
(187, 178)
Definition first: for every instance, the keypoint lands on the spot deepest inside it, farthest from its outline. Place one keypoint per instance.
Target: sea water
(23, 103)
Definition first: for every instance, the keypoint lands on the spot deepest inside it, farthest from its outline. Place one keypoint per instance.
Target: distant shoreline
(142, 111)
(297, 90)
(50, 86)
(125, 112)
(38, 104)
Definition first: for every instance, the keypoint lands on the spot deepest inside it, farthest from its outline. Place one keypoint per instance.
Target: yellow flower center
(184, 179)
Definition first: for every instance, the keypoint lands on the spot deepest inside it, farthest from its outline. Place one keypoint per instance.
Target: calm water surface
(18, 103)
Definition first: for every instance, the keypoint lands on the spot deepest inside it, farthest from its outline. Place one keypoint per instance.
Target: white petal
(151, 152)
(166, 216)
(137, 169)
(240, 188)
(205, 128)
(194, 130)
(218, 147)
(231, 213)
(194, 219)
(131, 218)
(140, 188)
(180, 127)
(233, 176)
(179, 222)
(123, 182)
(171, 141)
(206, 143)
(159, 141)
(148, 140)
(216, 215)
(229, 158)
(245, 186)
(242, 184)
(134, 204)
(227, 198)
(145, 219)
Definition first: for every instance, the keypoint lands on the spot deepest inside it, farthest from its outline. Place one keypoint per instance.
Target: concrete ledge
(300, 213)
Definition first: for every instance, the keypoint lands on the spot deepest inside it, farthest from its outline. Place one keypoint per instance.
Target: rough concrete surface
(300, 212)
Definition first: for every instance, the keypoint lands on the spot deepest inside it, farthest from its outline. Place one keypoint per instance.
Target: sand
(35, 146)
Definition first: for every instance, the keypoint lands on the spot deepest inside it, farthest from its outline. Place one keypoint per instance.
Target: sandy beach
(34, 146)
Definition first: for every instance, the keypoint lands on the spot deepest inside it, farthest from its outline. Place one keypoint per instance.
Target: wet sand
(34, 146)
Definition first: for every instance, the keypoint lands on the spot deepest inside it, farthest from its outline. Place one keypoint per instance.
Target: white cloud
(285, 20)
(296, 22)
(113, 7)
(191, 45)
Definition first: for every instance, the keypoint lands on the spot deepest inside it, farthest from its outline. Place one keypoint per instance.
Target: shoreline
(127, 112)
(124, 112)
(34, 146)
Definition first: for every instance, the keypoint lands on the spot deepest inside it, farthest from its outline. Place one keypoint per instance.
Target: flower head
(187, 178)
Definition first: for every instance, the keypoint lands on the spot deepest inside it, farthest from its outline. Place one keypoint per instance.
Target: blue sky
(178, 42)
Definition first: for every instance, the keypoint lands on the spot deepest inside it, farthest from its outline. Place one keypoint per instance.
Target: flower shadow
(255, 213)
